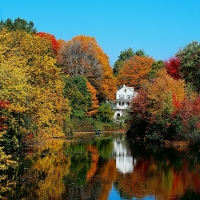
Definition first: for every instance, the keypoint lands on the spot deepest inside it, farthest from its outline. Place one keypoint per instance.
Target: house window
(121, 103)
(124, 90)
(128, 96)
(121, 96)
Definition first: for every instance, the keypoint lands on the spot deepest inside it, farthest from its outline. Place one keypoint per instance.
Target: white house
(124, 96)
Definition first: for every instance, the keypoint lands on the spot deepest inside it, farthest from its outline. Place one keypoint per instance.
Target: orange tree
(134, 71)
(95, 103)
(83, 56)
(126, 55)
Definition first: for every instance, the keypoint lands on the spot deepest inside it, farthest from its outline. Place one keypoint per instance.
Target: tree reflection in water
(105, 168)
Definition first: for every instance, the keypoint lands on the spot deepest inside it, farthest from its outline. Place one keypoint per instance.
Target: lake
(103, 168)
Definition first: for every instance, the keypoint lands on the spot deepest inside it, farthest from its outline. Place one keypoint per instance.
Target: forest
(50, 88)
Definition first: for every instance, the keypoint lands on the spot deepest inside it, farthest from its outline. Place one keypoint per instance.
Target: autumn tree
(134, 71)
(83, 56)
(95, 103)
(55, 45)
(152, 109)
(173, 67)
(126, 55)
(185, 119)
(14, 87)
(189, 58)
(36, 85)
(5, 159)
(160, 93)
(18, 24)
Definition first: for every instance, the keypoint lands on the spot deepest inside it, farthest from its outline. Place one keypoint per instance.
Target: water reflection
(104, 168)
(124, 160)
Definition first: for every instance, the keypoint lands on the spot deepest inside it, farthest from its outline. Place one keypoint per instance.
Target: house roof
(124, 86)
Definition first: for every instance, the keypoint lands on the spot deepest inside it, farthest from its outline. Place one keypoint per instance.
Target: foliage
(55, 45)
(134, 71)
(173, 67)
(14, 87)
(186, 119)
(105, 112)
(189, 63)
(153, 107)
(156, 66)
(5, 160)
(90, 124)
(126, 55)
(33, 85)
(95, 103)
(160, 93)
(83, 56)
(18, 24)
(80, 98)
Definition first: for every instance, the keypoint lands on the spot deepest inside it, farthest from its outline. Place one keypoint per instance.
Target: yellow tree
(161, 91)
(41, 94)
(134, 70)
(83, 56)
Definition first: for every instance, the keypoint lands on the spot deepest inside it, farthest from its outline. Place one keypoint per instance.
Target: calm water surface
(103, 169)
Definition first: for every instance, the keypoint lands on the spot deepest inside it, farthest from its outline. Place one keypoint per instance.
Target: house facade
(124, 96)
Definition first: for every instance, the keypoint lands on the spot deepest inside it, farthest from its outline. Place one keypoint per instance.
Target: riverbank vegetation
(167, 106)
(51, 88)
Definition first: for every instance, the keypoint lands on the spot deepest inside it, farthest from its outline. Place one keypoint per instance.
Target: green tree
(156, 66)
(134, 71)
(105, 112)
(189, 64)
(18, 24)
(80, 98)
(126, 55)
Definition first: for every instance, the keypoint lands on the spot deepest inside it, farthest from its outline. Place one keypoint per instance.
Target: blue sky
(159, 27)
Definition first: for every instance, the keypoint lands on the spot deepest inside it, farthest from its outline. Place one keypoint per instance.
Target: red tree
(172, 66)
(54, 43)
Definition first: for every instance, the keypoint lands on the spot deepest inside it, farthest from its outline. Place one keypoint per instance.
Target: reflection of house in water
(124, 161)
